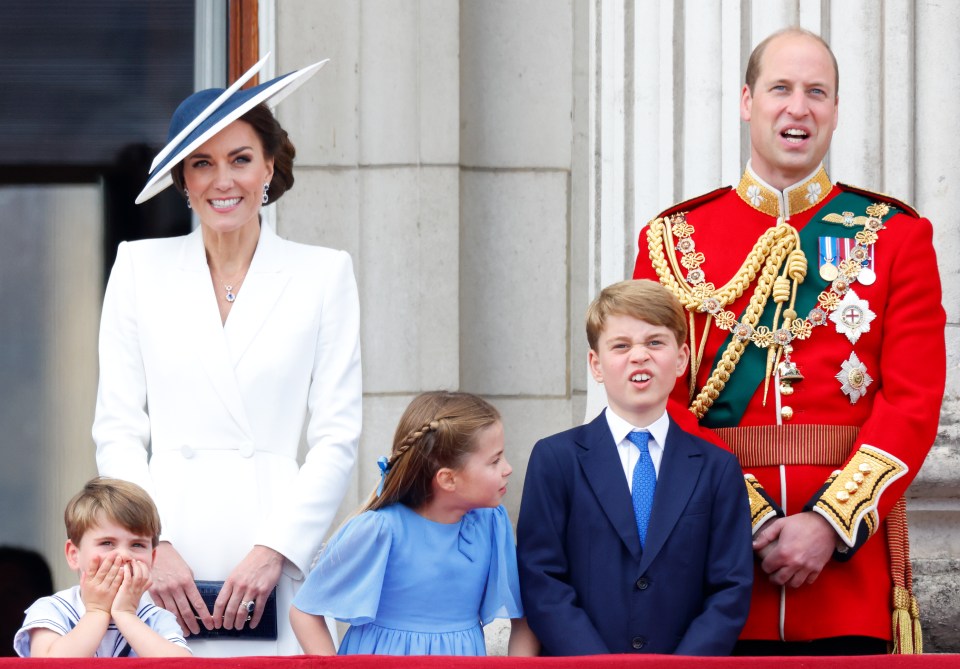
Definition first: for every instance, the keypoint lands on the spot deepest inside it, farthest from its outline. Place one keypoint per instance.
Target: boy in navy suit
(634, 536)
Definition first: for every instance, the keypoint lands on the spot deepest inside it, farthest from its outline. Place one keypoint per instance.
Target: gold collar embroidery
(796, 199)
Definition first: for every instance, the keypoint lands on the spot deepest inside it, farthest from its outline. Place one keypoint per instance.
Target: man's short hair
(753, 65)
(121, 502)
(641, 299)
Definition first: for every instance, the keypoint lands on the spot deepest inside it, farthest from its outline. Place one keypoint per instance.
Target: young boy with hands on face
(113, 529)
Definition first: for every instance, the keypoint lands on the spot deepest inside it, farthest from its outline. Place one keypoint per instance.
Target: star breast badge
(853, 378)
(852, 316)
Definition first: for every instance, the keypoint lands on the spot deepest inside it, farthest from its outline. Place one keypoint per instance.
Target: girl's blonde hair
(437, 430)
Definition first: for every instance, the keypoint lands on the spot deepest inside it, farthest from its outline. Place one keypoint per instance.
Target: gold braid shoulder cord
(777, 247)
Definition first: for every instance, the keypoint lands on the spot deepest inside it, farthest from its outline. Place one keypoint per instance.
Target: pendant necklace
(231, 294)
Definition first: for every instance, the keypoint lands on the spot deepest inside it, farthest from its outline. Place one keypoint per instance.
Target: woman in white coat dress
(215, 348)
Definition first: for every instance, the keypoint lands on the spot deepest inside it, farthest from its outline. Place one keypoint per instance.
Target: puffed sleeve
(121, 426)
(501, 598)
(348, 579)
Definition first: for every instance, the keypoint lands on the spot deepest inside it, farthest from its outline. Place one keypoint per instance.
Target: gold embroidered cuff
(852, 494)
(761, 506)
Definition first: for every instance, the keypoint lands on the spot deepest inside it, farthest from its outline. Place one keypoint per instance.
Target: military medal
(846, 256)
(828, 259)
(853, 378)
(863, 254)
(852, 316)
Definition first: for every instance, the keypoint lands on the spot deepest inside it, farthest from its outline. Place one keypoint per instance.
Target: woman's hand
(251, 580)
(174, 589)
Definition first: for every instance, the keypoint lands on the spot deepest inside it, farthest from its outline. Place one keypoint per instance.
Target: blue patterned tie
(644, 483)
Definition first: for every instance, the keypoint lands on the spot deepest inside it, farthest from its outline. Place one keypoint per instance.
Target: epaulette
(883, 197)
(692, 203)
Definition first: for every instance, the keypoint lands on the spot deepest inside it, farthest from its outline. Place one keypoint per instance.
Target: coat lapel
(201, 319)
(262, 287)
(604, 473)
(679, 471)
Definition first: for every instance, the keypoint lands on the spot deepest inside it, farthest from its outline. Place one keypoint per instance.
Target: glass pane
(83, 80)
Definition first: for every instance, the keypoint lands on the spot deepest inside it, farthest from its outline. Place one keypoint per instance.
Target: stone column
(377, 136)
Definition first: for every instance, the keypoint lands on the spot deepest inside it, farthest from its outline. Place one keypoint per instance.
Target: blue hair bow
(384, 464)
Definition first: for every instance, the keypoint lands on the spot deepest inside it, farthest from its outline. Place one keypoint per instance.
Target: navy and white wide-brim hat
(205, 113)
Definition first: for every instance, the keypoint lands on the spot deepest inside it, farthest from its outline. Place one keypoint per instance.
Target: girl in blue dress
(430, 558)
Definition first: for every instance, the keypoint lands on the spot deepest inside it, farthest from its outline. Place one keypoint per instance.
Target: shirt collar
(620, 428)
(803, 195)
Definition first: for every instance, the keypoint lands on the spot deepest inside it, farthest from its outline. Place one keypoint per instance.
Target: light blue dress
(412, 586)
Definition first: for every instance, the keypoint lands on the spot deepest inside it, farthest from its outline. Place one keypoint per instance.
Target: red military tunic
(879, 365)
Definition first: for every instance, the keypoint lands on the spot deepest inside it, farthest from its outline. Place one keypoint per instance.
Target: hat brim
(227, 108)
(213, 106)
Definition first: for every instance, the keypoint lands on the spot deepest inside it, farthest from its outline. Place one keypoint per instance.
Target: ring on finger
(248, 607)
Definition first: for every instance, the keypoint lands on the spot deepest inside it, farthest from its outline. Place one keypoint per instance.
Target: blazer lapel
(679, 471)
(262, 287)
(604, 473)
(201, 318)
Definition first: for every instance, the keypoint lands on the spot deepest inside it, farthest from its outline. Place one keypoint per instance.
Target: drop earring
(186, 194)
(266, 198)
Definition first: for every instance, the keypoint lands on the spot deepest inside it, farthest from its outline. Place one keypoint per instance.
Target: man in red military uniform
(818, 357)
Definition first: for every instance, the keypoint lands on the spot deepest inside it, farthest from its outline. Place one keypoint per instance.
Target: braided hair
(437, 430)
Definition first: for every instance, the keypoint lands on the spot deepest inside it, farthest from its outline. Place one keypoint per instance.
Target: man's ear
(746, 103)
(445, 479)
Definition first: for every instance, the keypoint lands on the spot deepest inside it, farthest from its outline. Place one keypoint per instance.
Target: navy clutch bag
(266, 630)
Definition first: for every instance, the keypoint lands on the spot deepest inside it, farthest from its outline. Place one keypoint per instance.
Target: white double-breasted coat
(208, 417)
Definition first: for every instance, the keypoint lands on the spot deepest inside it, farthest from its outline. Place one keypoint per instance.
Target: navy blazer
(587, 586)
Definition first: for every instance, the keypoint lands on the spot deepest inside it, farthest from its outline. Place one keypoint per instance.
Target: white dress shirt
(627, 450)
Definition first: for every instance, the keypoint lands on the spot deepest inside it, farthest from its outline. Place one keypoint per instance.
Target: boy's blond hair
(641, 299)
(121, 502)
